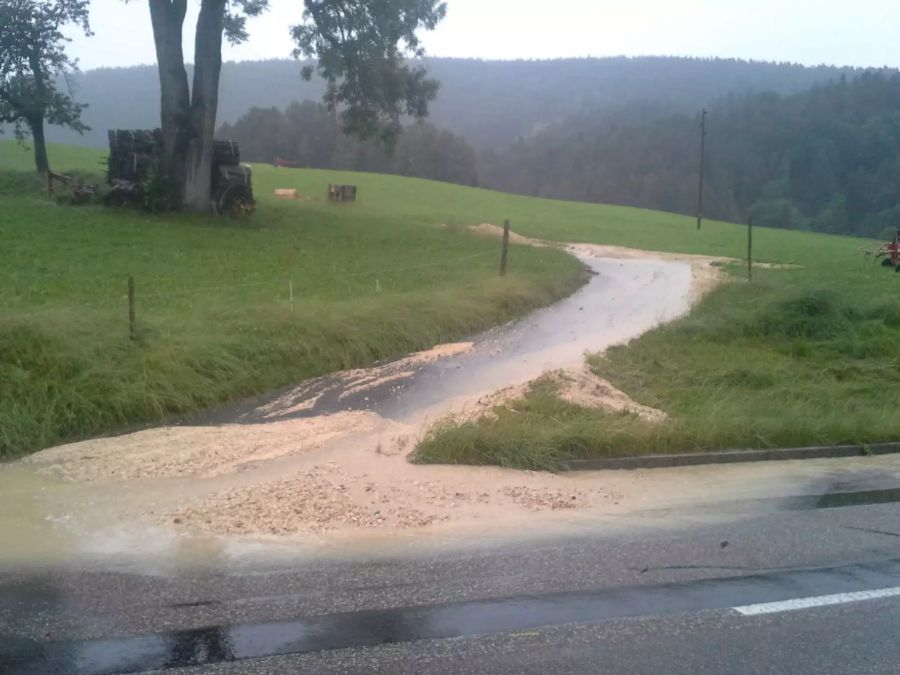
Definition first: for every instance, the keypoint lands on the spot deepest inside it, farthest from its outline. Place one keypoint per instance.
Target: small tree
(32, 58)
(361, 47)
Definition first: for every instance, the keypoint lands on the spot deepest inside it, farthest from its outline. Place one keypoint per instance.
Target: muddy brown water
(42, 519)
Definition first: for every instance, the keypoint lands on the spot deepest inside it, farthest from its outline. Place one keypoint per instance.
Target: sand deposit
(582, 387)
(494, 231)
(365, 486)
(577, 385)
(203, 452)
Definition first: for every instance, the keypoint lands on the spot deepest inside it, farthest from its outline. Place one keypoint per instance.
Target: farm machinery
(890, 252)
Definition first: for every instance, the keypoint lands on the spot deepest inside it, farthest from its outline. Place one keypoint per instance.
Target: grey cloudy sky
(859, 33)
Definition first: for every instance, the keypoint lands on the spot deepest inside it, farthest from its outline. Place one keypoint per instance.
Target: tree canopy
(308, 135)
(362, 47)
(32, 58)
(827, 159)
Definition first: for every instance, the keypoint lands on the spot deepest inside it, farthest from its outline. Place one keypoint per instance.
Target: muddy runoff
(329, 457)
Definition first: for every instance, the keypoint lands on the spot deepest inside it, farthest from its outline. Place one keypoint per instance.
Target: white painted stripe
(818, 601)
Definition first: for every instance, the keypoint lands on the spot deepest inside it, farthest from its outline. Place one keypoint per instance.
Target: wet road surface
(623, 298)
(625, 598)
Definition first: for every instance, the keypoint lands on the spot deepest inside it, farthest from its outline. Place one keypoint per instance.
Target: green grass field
(807, 355)
(370, 281)
(790, 361)
(799, 357)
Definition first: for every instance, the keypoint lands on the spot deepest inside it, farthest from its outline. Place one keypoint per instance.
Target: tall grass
(800, 357)
(215, 319)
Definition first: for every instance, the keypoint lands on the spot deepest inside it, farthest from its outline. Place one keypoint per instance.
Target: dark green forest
(827, 159)
(307, 134)
(489, 103)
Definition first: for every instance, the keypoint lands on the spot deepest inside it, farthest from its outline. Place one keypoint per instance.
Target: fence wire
(287, 282)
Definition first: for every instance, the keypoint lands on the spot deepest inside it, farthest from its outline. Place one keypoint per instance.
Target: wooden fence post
(504, 254)
(750, 250)
(132, 322)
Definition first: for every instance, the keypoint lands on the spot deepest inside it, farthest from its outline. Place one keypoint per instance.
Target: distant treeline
(489, 103)
(792, 146)
(307, 135)
(827, 159)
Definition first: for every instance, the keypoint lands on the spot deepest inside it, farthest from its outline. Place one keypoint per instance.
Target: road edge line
(813, 602)
(727, 457)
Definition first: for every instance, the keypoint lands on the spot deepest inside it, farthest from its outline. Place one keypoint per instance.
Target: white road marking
(818, 601)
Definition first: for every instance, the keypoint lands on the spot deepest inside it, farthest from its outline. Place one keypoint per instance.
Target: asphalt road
(653, 593)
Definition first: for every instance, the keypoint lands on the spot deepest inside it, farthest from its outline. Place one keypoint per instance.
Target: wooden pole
(702, 167)
(750, 250)
(132, 322)
(504, 253)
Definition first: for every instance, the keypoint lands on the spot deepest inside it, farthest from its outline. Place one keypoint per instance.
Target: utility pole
(702, 166)
(750, 250)
(504, 250)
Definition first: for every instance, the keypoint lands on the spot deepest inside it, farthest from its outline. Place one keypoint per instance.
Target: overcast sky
(859, 33)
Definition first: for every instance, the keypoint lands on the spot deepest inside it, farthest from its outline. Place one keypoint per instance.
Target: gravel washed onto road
(332, 454)
(201, 452)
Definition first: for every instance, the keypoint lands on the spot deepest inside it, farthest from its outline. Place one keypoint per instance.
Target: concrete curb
(728, 457)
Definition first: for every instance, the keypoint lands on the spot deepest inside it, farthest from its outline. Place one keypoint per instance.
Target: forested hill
(489, 103)
(827, 159)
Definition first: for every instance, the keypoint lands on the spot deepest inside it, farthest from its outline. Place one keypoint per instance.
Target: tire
(235, 201)
(887, 263)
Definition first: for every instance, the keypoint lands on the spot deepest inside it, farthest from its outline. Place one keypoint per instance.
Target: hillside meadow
(802, 355)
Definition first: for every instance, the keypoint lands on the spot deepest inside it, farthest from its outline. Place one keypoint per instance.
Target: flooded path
(294, 524)
(328, 459)
(623, 299)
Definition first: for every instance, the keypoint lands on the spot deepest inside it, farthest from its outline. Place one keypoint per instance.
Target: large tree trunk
(36, 117)
(41, 162)
(204, 105)
(168, 21)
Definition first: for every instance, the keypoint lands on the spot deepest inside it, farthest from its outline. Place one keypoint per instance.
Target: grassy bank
(800, 357)
(215, 320)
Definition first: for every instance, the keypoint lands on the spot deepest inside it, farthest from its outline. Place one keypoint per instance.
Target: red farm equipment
(890, 253)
